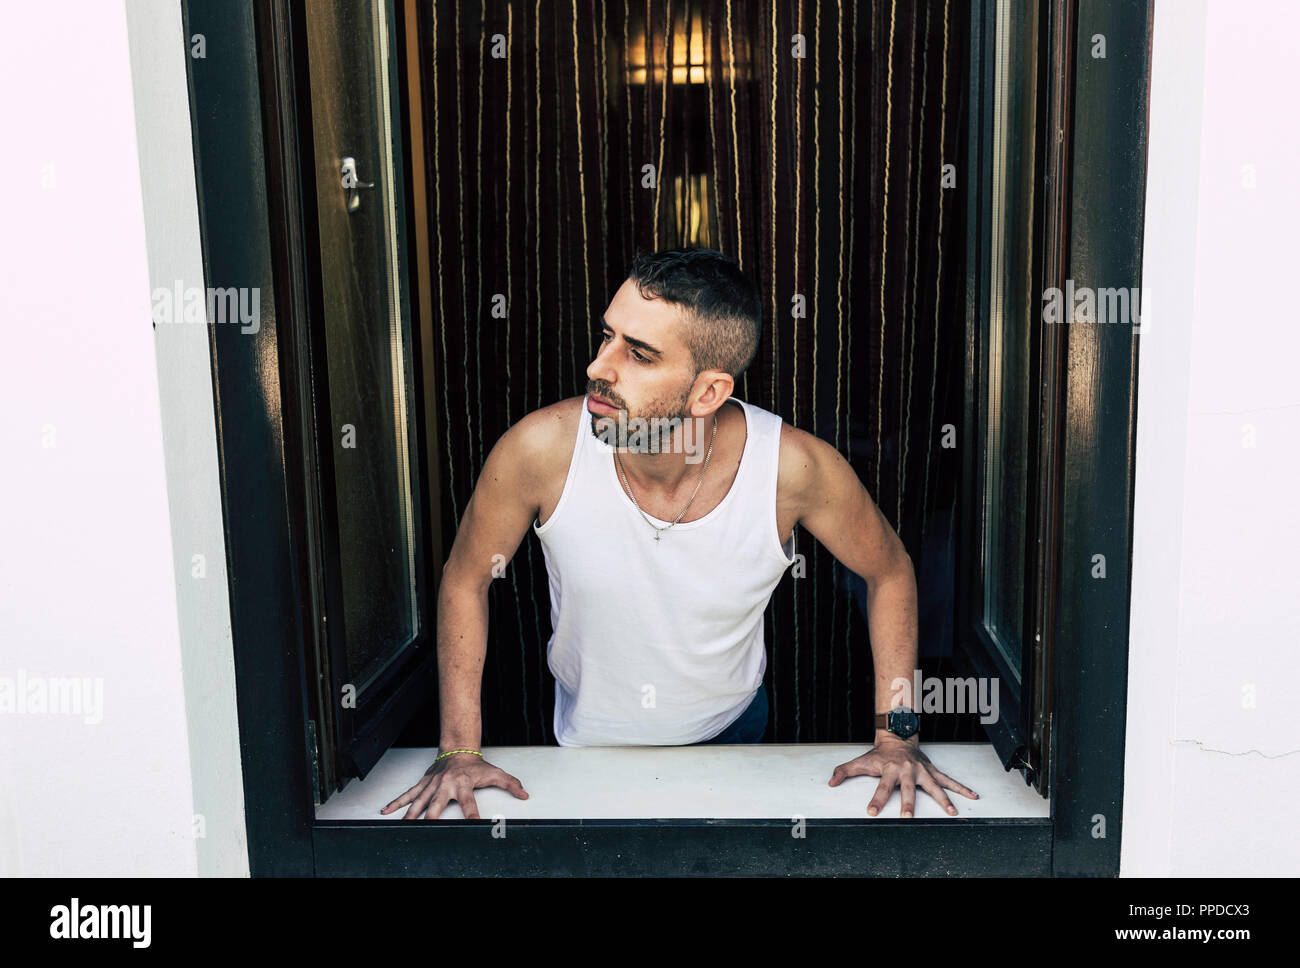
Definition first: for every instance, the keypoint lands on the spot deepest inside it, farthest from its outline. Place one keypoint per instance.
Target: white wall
(162, 118)
(97, 525)
(1212, 771)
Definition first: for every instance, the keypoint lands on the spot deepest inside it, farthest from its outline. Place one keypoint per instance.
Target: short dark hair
(723, 310)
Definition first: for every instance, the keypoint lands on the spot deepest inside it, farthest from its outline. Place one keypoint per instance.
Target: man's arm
(504, 504)
(832, 504)
(818, 489)
(506, 498)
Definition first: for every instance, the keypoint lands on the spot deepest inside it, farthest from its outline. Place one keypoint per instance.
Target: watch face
(903, 722)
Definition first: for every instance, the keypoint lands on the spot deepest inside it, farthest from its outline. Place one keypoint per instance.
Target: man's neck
(679, 462)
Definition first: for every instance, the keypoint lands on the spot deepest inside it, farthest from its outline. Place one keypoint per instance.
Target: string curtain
(822, 144)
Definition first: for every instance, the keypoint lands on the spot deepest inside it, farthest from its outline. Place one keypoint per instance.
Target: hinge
(315, 761)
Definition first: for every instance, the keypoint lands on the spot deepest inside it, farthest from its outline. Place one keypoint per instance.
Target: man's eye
(606, 336)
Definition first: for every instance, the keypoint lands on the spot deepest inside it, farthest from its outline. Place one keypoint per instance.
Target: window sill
(646, 783)
(703, 811)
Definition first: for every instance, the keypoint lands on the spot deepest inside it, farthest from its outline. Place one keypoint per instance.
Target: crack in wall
(1207, 749)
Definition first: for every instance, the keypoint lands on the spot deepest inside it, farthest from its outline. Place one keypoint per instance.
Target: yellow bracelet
(450, 752)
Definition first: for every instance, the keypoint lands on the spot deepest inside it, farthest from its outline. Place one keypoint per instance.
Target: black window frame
(246, 208)
(1021, 735)
(351, 738)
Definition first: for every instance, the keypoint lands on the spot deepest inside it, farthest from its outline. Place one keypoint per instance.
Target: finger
(416, 808)
(854, 767)
(468, 805)
(439, 803)
(949, 783)
(422, 802)
(505, 781)
(841, 773)
(883, 790)
(405, 798)
(907, 786)
(928, 784)
(512, 784)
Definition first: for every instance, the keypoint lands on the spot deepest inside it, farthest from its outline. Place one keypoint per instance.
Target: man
(666, 511)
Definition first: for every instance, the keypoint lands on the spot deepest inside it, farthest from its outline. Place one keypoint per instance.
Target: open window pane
(1009, 399)
(367, 331)
(1008, 537)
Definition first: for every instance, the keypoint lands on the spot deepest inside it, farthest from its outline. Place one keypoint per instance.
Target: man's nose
(599, 369)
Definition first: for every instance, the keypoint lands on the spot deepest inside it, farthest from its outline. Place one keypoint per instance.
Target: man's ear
(711, 390)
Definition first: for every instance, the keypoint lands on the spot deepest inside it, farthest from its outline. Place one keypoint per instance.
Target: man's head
(677, 335)
(721, 312)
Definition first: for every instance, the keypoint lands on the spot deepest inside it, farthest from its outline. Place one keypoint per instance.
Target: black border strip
(1107, 205)
(675, 848)
(265, 580)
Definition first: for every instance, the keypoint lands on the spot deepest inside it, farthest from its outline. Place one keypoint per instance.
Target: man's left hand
(900, 762)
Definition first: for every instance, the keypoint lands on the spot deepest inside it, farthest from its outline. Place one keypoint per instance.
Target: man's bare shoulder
(797, 462)
(542, 440)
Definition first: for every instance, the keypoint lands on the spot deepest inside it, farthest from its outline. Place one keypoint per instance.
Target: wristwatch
(900, 721)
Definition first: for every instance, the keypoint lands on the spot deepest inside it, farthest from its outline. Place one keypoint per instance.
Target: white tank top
(659, 643)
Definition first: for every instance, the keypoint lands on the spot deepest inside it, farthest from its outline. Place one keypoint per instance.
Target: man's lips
(595, 402)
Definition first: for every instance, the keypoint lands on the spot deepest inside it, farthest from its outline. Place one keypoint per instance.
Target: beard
(648, 431)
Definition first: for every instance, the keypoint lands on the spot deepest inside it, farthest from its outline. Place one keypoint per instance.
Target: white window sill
(662, 782)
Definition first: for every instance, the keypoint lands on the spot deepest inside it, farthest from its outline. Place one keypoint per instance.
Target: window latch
(352, 184)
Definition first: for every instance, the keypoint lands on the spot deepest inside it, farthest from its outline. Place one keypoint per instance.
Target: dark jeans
(749, 727)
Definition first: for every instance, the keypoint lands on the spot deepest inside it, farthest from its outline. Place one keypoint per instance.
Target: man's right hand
(454, 778)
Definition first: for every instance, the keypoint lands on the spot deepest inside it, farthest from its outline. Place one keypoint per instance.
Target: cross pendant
(656, 536)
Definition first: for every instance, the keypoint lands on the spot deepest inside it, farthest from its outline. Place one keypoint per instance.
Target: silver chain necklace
(699, 484)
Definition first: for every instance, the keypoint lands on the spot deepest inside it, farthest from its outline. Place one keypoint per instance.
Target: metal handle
(352, 184)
